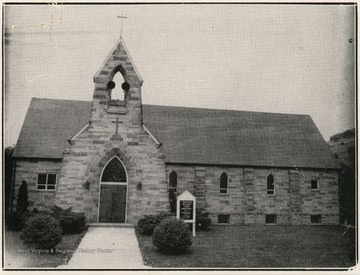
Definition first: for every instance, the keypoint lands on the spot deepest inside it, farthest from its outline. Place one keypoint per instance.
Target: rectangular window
(223, 218)
(315, 219)
(314, 185)
(271, 219)
(46, 182)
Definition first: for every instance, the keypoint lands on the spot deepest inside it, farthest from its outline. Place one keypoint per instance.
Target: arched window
(270, 185)
(223, 183)
(114, 171)
(173, 181)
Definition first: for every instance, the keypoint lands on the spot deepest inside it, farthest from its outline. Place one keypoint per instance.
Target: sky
(278, 58)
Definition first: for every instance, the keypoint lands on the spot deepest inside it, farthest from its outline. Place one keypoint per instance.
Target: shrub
(202, 220)
(147, 224)
(162, 216)
(172, 236)
(42, 231)
(70, 222)
(15, 221)
(35, 210)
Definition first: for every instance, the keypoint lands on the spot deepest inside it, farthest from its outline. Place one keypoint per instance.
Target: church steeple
(118, 61)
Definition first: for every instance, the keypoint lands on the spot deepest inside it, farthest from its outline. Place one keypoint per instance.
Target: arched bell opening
(118, 87)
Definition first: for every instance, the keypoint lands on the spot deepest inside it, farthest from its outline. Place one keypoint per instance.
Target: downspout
(12, 186)
(341, 206)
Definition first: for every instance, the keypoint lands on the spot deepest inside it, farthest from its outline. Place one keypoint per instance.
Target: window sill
(224, 194)
(47, 191)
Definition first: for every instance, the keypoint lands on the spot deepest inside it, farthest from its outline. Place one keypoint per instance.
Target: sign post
(186, 208)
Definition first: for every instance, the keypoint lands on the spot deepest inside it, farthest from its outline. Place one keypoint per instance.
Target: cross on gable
(117, 122)
(121, 17)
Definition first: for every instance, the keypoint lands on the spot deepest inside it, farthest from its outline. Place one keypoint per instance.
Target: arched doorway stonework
(95, 172)
(113, 192)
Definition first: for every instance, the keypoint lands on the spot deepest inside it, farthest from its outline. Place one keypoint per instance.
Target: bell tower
(106, 110)
(114, 138)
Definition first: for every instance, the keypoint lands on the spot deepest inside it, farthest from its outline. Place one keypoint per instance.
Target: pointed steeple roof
(119, 59)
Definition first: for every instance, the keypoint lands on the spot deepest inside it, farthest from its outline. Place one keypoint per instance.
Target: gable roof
(48, 125)
(189, 135)
(208, 136)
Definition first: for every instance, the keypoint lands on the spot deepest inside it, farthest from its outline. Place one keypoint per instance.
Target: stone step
(111, 225)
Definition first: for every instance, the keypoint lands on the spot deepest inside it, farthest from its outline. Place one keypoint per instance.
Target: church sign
(186, 208)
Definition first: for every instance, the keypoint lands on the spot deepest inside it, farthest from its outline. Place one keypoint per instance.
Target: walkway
(107, 248)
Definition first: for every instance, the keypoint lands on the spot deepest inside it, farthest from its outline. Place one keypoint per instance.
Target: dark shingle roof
(48, 124)
(189, 135)
(208, 136)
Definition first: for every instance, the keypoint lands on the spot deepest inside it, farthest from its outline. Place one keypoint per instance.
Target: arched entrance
(113, 192)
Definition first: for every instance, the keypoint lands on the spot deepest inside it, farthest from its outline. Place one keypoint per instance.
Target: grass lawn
(261, 246)
(18, 255)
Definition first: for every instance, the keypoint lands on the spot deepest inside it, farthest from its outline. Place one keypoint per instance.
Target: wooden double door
(112, 207)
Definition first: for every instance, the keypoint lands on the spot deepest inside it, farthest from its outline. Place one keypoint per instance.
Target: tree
(22, 200)
(347, 195)
(347, 188)
(172, 200)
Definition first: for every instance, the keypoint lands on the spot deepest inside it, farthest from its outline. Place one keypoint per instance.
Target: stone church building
(116, 160)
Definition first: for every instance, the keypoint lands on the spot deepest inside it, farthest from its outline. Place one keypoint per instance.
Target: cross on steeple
(117, 122)
(121, 26)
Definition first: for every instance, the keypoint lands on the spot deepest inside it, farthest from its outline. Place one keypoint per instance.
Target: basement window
(315, 219)
(314, 185)
(271, 219)
(223, 218)
(46, 182)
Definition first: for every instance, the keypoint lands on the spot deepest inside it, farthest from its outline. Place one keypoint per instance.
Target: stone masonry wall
(85, 160)
(324, 201)
(247, 201)
(185, 177)
(28, 170)
(115, 130)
